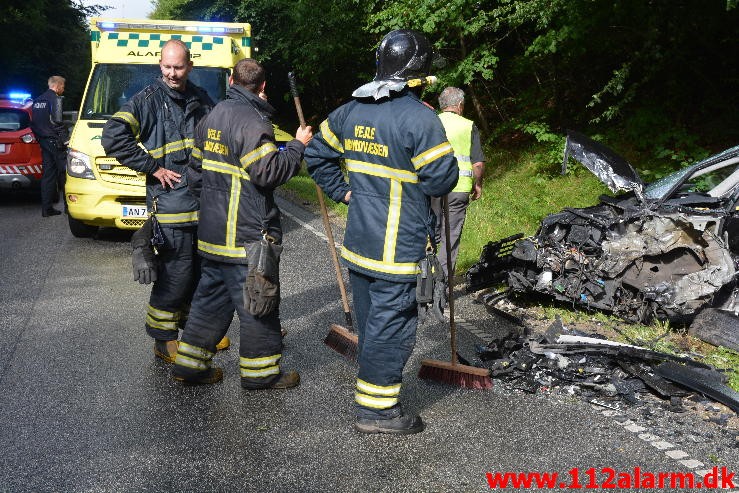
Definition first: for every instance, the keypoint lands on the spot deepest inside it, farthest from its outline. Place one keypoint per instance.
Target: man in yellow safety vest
(465, 139)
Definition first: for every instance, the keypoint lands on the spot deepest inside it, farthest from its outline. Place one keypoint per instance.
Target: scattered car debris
(606, 373)
(664, 250)
(701, 381)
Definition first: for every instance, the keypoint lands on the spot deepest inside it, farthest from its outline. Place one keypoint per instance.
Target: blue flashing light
(106, 25)
(19, 97)
(209, 29)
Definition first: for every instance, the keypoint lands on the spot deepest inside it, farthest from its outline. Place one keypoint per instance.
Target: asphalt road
(86, 407)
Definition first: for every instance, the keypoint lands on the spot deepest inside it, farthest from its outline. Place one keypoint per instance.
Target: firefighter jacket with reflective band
(163, 121)
(235, 167)
(397, 155)
(459, 132)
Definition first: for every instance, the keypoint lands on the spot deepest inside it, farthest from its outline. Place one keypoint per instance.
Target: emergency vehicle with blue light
(20, 152)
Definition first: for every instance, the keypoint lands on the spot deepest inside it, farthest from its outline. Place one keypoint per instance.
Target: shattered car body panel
(665, 250)
(610, 168)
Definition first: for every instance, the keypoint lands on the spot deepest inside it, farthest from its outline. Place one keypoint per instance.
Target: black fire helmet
(403, 54)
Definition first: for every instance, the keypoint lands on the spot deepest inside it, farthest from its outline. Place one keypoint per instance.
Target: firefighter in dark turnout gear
(234, 169)
(162, 118)
(52, 135)
(397, 157)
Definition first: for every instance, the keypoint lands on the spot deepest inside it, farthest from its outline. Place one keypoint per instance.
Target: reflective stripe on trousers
(178, 270)
(387, 317)
(219, 294)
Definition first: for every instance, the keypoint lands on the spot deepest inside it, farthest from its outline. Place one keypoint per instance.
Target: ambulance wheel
(80, 229)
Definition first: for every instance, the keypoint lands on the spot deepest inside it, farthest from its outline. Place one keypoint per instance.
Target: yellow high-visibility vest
(459, 132)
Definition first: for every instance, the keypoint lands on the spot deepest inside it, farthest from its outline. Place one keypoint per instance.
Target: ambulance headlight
(78, 165)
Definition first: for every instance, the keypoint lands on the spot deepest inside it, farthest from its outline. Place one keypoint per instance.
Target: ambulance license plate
(134, 211)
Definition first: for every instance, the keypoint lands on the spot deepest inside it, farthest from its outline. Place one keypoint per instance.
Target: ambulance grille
(112, 171)
(135, 223)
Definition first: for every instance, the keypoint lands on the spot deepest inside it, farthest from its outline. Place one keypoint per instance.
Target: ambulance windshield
(113, 84)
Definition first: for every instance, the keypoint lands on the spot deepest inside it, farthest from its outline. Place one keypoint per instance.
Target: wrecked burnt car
(667, 249)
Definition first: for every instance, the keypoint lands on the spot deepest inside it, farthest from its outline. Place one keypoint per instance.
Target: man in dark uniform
(397, 157)
(234, 169)
(50, 131)
(162, 118)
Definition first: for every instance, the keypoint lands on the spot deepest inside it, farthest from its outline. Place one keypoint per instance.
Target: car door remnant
(664, 250)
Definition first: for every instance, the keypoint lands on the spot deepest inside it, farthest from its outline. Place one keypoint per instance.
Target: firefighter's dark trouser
(54, 167)
(178, 271)
(458, 203)
(220, 292)
(387, 317)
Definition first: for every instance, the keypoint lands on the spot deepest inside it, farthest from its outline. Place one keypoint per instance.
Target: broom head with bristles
(468, 377)
(342, 341)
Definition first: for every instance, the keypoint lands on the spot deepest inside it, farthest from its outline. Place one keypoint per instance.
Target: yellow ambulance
(100, 191)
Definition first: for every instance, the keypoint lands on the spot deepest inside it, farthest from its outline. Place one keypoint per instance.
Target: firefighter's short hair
(249, 74)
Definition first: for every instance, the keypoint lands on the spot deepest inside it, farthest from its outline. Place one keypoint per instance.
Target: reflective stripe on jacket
(459, 132)
(397, 156)
(163, 121)
(235, 167)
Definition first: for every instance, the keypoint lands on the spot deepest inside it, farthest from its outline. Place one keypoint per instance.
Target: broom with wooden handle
(453, 373)
(341, 339)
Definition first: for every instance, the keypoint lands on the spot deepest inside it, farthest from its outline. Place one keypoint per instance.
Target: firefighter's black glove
(262, 288)
(144, 261)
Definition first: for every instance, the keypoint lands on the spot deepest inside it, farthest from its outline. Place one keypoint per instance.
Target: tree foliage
(40, 38)
(655, 75)
(325, 42)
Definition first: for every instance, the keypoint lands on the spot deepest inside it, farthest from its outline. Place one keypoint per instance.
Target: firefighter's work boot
(167, 350)
(223, 344)
(401, 425)
(211, 375)
(287, 380)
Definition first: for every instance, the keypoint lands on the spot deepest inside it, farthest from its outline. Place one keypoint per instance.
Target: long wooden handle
(450, 279)
(296, 98)
(334, 257)
(324, 214)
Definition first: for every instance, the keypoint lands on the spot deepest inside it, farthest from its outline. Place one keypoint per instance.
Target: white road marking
(305, 225)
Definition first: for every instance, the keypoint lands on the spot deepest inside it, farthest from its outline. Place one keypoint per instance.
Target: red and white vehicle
(20, 152)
